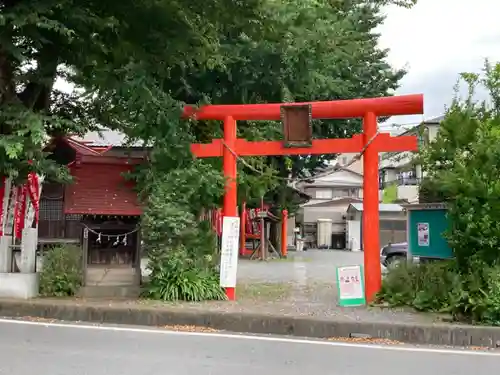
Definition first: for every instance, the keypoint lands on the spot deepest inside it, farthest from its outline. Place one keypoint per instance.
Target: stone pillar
(28, 250)
(5, 254)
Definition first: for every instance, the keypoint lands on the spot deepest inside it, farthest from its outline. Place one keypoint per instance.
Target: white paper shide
(229, 251)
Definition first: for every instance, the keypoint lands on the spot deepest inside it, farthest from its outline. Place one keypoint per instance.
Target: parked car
(394, 253)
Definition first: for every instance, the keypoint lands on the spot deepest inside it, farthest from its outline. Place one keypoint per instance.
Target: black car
(393, 253)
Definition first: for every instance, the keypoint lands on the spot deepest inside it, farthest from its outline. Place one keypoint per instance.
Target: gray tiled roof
(106, 137)
(435, 120)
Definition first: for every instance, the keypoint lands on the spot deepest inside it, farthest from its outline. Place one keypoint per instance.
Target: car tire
(394, 260)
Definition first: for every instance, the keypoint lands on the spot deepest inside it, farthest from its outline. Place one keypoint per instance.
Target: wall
(346, 158)
(353, 234)
(408, 193)
(312, 214)
(289, 231)
(392, 228)
(335, 192)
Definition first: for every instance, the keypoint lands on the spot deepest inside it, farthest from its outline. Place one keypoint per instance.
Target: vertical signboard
(229, 251)
(350, 285)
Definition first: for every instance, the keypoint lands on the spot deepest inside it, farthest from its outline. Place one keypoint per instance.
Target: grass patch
(263, 291)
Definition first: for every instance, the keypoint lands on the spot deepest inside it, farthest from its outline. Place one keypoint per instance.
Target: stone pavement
(304, 284)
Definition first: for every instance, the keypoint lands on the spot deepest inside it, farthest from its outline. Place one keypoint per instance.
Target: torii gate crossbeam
(371, 142)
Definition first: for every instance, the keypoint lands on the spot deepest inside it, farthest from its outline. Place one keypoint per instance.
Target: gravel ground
(302, 285)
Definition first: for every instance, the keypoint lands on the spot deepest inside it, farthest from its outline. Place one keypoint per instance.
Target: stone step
(112, 292)
(111, 276)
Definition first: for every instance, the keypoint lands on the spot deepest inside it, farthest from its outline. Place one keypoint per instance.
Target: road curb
(431, 334)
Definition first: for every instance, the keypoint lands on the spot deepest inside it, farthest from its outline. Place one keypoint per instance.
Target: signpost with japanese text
(351, 286)
(229, 251)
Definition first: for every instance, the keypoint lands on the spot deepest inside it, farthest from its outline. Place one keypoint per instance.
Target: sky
(436, 40)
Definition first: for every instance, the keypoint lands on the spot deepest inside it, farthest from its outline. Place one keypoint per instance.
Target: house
(332, 211)
(351, 162)
(398, 170)
(331, 192)
(392, 225)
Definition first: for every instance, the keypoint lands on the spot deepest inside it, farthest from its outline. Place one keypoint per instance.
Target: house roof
(382, 207)
(101, 189)
(334, 177)
(433, 121)
(329, 202)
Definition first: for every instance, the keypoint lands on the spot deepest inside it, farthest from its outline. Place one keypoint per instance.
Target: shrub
(182, 250)
(62, 273)
(426, 287)
(440, 287)
(479, 297)
(177, 276)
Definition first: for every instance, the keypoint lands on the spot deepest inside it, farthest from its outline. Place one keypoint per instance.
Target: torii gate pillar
(369, 142)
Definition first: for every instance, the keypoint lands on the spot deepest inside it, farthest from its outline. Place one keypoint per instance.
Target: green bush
(479, 298)
(440, 287)
(62, 273)
(176, 276)
(425, 287)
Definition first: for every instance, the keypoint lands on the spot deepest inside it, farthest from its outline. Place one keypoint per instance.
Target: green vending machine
(426, 224)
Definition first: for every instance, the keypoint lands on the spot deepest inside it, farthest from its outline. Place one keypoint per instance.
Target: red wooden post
(284, 227)
(371, 240)
(243, 227)
(229, 166)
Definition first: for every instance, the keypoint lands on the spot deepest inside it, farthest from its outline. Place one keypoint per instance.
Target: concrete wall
(312, 214)
(408, 192)
(335, 192)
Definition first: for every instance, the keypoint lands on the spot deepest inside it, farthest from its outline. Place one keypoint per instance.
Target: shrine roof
(107, 138)
(101, 189)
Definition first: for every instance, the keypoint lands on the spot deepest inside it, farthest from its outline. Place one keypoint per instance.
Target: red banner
(20, 211)
(34, 193)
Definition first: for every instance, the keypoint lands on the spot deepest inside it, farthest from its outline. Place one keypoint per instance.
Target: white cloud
(438, 39)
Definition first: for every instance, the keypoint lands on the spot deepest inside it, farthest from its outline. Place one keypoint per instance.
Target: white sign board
(350, 285)
(423, 234)
(229, 251)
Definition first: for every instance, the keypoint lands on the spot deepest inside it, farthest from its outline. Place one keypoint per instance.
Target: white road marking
(236, 336)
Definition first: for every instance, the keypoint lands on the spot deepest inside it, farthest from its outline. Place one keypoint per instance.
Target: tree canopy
(136, 62)
(93, 45)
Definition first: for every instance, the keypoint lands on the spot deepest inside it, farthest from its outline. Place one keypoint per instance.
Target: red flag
(20, 211)
(34, 193)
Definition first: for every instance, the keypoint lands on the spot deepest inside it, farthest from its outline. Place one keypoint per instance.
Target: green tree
(462, 167)
(305, 50)
(93, 45)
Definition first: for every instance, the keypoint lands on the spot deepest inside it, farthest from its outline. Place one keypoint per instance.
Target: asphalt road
(27, 349)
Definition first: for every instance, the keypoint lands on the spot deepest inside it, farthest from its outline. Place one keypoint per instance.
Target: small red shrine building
(100, 210)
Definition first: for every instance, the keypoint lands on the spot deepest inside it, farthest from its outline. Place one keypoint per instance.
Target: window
(324, 194)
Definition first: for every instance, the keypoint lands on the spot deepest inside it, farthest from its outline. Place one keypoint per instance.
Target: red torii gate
(371, 142)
